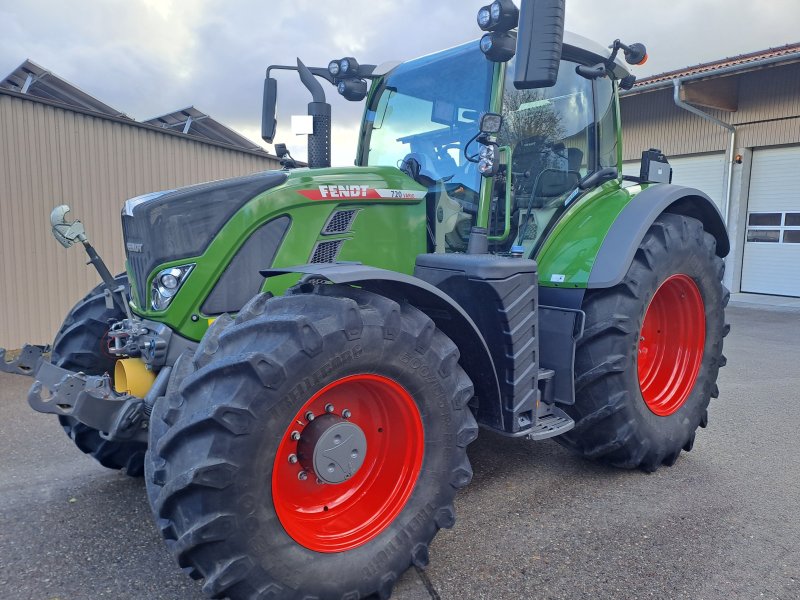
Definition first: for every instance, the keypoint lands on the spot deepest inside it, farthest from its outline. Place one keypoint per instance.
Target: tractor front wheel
(313, 449)
(81, 344)
(647, 364)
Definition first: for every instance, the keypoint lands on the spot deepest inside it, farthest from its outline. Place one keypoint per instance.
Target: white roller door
(705, 172)
(771, 263)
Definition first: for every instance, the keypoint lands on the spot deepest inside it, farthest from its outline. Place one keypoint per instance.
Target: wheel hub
(333, 448)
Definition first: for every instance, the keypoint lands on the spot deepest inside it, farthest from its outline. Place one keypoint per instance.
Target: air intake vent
(340, 222)
(326, 252)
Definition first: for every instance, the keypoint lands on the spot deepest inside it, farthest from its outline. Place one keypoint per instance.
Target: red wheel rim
(338, 517)
(671, 344)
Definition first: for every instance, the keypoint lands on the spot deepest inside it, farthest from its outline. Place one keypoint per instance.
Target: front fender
(629, 228)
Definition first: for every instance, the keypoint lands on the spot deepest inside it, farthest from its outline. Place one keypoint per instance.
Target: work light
(500, 15)
(499, 46)
(348, 67)
(352, 89)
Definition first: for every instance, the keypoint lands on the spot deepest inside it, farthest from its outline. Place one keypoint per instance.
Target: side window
(606, 111)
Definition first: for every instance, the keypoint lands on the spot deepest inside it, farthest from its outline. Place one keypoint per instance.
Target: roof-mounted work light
(499, 46)
(354, 90)
(500, 15)
(498, 18)
(344, 68)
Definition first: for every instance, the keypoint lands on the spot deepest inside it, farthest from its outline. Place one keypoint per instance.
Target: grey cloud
(148, 57)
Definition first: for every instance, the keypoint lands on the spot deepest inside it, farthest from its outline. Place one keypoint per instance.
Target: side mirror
(539, 40)
(491, 123)
(268, 122)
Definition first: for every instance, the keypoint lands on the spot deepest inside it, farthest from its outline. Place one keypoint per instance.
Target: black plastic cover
(501, 295)
(182, 223)
(241, 279)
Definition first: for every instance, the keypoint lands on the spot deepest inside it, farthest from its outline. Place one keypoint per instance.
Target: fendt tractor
(297, 360)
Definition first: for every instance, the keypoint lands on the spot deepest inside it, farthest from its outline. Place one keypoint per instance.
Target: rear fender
(629, 228)
(449, 317)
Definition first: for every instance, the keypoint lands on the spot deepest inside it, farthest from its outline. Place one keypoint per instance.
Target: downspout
(731, 145)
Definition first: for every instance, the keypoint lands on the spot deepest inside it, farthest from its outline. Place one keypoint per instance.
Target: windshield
(553, 135)
(431, 107)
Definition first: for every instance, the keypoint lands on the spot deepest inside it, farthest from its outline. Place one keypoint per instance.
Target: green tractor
(297, 360)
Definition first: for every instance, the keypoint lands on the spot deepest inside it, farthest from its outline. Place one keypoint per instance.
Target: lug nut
(302, 475)
(309, 416)
(346, 413)
(293, 458)
(329, 408)
(295, 435)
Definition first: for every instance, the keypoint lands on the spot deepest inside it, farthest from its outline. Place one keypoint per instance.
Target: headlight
(494, 11)
(333, 67)
(486, 43)
(487, 152)
(166, 284)
(484, 16)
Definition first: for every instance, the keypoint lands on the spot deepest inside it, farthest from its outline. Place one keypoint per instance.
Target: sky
(151, 57)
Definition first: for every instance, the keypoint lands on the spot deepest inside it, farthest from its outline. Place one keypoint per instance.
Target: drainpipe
(731, 145)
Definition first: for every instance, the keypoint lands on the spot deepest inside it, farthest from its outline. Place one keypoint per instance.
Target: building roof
(30, 78)
(191, 121)
(37, 83)
(790, 52)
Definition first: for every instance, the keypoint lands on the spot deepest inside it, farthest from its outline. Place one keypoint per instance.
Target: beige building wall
(768, 115)
(51, 155)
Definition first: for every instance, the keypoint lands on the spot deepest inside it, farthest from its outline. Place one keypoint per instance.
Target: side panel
(567, 257)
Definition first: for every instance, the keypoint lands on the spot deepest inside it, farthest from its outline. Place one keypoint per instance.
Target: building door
(705, 172)
(771, 262)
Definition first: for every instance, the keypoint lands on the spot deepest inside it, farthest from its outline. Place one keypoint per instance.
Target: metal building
(732, 129)
(59, 145)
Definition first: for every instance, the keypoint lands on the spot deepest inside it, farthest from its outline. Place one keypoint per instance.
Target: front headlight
(166, 284)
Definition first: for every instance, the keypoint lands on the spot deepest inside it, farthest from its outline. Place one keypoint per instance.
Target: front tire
(80, 345)
(647, 364)
(245, 504)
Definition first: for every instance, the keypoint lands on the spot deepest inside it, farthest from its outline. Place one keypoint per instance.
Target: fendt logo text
(343, 191)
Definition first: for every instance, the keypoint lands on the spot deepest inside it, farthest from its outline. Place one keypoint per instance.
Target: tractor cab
(423, 117)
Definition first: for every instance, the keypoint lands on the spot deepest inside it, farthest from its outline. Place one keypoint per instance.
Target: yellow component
(132, 377)
(210, 321)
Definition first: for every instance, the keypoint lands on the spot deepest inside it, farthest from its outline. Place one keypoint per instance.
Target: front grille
(326, 252)
(340, 222)
(139, 262)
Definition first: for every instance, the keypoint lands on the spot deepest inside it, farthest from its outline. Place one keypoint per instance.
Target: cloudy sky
(150, 57)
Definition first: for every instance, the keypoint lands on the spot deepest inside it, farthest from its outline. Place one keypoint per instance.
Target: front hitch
(26, 362)
(91, 400)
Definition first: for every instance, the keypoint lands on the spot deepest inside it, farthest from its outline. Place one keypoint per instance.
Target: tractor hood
(165, 226)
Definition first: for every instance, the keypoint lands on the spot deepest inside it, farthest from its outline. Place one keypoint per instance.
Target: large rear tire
(647, 364)
(80, 345)
(234, 473)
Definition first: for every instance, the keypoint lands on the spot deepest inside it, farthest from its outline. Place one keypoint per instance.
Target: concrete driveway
(536, 522)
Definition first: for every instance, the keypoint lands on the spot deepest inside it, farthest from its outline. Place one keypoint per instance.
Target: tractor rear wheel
(313, 449)
(647, 364)
(80, 345)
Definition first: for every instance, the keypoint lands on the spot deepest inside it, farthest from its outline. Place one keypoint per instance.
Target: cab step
(550, 422)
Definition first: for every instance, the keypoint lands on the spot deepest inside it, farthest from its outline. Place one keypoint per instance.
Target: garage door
(771, 263)
(705, 172)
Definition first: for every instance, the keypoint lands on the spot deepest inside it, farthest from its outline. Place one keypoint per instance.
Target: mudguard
(629, 228)
(449, 317)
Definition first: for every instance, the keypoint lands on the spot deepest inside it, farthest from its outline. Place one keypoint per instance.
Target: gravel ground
(536, 522)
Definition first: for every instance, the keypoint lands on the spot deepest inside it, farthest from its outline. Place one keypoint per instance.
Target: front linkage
(95, 400)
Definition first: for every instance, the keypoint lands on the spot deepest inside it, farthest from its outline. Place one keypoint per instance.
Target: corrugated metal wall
(768, 115)
(51, 156)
